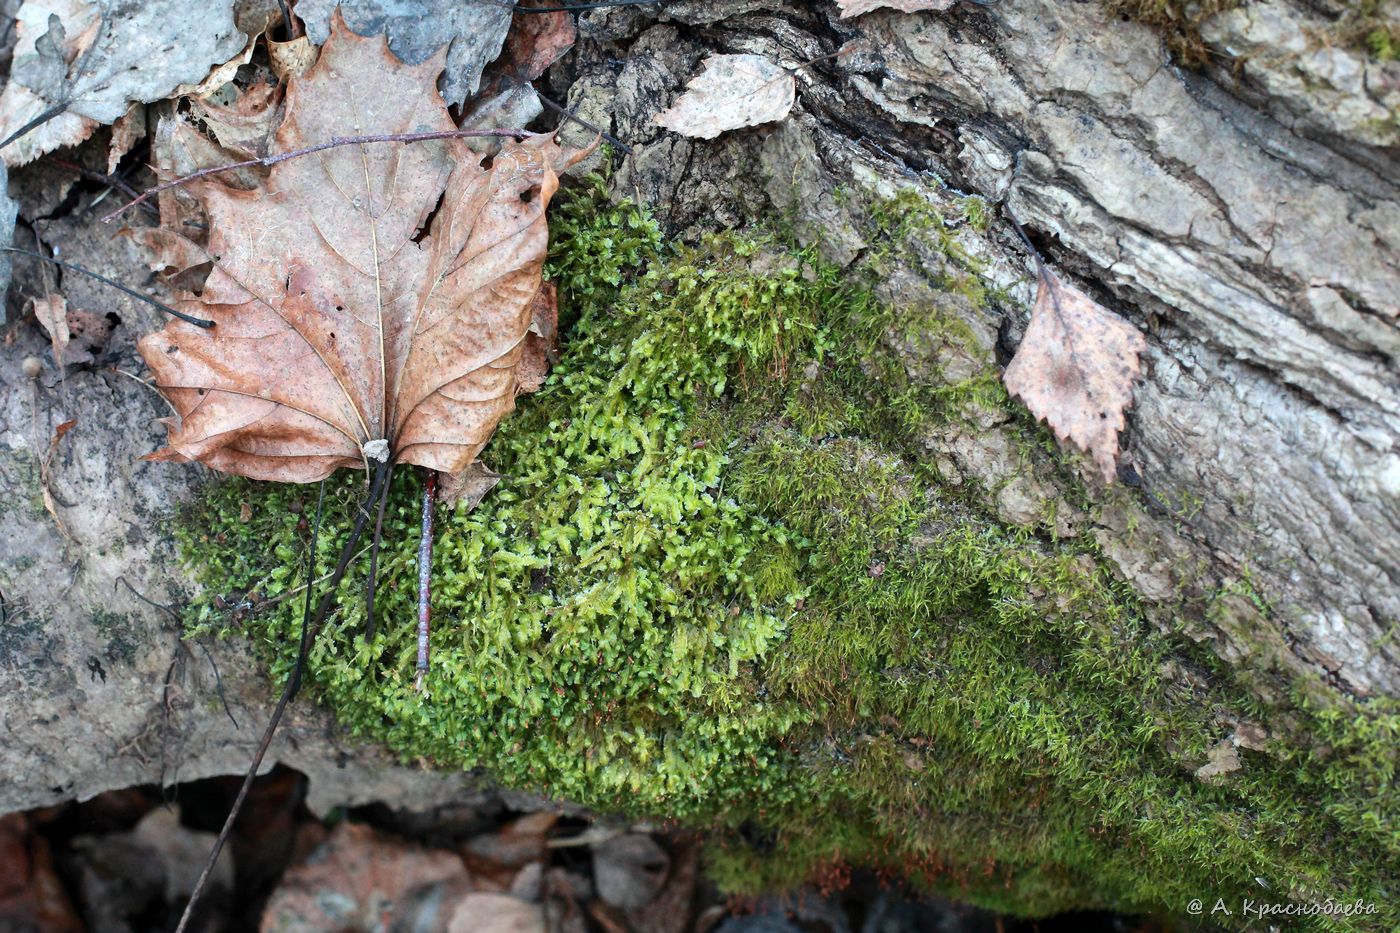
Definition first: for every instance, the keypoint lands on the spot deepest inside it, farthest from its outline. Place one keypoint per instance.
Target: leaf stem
(331, 143)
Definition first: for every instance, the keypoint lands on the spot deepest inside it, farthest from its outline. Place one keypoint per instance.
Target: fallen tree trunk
(1241, 211)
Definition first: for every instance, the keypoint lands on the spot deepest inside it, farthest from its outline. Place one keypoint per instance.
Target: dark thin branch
(68, 266)
(572, 117)
(331, 143)
(372, 584)
(310, 623)
(1040, 269)
(218, 684)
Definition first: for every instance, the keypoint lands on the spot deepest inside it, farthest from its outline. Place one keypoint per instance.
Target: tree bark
(1244, 216)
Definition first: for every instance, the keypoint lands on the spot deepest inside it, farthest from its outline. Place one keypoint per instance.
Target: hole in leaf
(427, 226)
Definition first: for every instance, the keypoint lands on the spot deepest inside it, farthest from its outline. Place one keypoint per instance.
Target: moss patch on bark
(719, 583)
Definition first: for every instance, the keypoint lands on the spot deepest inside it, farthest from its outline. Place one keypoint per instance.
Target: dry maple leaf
(369, 301)
(1075, 369)
(733, 91)
(851, 8)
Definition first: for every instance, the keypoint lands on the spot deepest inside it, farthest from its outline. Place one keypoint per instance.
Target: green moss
(717, 584)
(1368, 25)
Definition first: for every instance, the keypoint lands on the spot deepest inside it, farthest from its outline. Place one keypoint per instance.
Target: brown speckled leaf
(1075, 369)
(364, 296)
(851, 8)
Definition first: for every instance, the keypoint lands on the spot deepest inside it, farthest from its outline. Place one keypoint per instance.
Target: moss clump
(1369, 25)
(716, 585)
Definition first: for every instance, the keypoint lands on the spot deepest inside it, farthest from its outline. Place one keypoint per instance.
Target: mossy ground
(715, 586)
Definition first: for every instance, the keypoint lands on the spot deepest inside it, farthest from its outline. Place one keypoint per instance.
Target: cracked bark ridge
(1248, 219)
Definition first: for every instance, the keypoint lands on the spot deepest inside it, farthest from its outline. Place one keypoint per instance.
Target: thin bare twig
(569, 115)
(309, 624)
(68, 266)
(331, 143)
(175, 617)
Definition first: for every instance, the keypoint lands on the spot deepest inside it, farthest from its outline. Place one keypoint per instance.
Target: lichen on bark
(722, 581)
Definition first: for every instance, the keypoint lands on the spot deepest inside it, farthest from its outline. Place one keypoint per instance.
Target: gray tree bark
(1245, 217)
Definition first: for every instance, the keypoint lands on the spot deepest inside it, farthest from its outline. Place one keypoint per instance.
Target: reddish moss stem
(425, 574)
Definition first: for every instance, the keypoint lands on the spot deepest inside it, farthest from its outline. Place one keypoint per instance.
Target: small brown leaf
(244, 127)
(468, 487)
(52, 314)
(541, 341)
(46, 477)
(1075, 369)
(129, 129)
(360, 879)
(733, 91)
(291, 59)
(851, 8)
(536, 41)
(485, 912)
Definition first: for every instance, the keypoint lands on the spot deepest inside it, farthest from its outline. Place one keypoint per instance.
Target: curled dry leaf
(129, 130)
(95, 59)
(46, 477)
(850, 8)
(68, 327)
(244, 126)
(467, 488)
(1075, 369)
(367, 298)
(541, 340)
(733, 91)
(291, 59)
(536, 41)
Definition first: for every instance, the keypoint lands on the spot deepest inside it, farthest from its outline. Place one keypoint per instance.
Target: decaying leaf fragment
(369, 299)
(850, 8)
(733, 91)
(95, 58)
(51, 312)
(471, 32)
(1075, 369)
